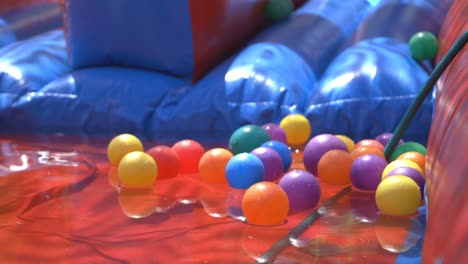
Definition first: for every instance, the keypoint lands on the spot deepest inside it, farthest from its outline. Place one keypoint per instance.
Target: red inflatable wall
(7, 5)
(447, 161)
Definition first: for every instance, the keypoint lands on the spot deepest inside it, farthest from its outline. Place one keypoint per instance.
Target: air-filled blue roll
(26, 66)
(367, 89)
(99, 101)
(402, 19)
(289, 57)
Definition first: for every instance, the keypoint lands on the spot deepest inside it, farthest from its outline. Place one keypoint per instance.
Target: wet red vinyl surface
(60, 203)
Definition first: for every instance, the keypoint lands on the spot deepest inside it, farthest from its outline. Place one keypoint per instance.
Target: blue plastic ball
(244, 170)
(283, 151)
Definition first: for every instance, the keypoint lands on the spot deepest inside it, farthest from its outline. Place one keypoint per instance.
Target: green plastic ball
(247, 138)
(279, 10)
(423, 46)
(407, 147)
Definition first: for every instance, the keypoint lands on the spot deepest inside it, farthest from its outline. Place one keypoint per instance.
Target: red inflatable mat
(61, 203)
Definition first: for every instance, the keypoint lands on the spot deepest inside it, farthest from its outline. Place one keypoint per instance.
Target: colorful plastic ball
(398, 196)
(385, 138)
(335, 167)
(275, 132)
(414, 174)
(212, 166)
(349, 142)
(279, 10)
(366, 172)
(408, 147)
(190, 153)
(370, 143)
(363, 150)
(244, 170)
(423, 45)
(271, 162)
(317, 147)
(399, 164)
(121, 145)
(168, 161)
(302, 188)
(265, 204)
(137, 169)
(416, 157)
(297, 128)
(283, 150)
(247, 138)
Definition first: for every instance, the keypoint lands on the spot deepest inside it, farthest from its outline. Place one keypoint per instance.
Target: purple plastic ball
(302, 188)
(317, 147)
(275, 132)
(385, 138)
(413, 174)
(366, 172)
(272, 163)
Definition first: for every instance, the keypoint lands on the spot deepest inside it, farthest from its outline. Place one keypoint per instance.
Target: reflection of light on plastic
(23, 166)
(4, 171)
(12, 71)
(398, 234)
(236, 74)
(138, 203)
(339, 81)
(370, 70)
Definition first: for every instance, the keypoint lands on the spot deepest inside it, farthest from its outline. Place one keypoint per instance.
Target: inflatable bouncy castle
(77, 75)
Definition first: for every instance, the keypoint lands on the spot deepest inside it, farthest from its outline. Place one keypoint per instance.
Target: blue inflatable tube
(289, 58)
(286, 69)
(26, 66)
(375, 78)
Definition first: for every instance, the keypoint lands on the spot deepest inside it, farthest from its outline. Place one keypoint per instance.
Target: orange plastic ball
(370, 142)
(417, 158)
(168, 161)
(212, 166)
(265, 204)
(335, 167)
(363, 150)
(190, 153)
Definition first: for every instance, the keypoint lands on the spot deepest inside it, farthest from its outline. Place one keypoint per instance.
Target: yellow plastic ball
(121, 145)
(349, 142)
(297, 128)
(398, 164)
(137, 169)
(398, 196)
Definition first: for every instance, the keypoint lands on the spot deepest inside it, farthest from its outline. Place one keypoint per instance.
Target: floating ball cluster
(258, 160)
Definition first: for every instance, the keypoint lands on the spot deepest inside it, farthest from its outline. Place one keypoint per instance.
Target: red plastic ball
(190, 153)
(168, 161)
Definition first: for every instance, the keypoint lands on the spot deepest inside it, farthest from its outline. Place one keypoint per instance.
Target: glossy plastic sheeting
(26, 66)
(64, 204)
(367, 89)
(447, 153)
